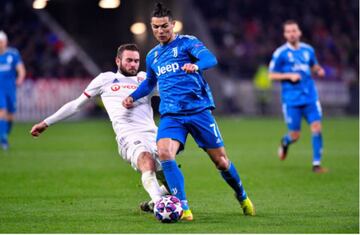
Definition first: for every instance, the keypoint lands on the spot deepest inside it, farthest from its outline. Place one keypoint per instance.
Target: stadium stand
(246, 33)
(41, 49)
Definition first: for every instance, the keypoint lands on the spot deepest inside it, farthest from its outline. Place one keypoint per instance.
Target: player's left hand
(320, 72)
(190, 68)
(128, 102)
(37, 129)
(19, 82)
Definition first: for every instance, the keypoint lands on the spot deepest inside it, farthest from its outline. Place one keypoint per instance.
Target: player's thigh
(292, 117)
(133, 147)
(171, 128)
(313, 115)
(168, 148)
(205, 131)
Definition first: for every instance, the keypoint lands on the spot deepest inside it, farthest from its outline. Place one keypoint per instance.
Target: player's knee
(221, 162)
(316, 127)
(10, 117)
(165, 153)
(295, 135)
(3, 114)
(145, 162)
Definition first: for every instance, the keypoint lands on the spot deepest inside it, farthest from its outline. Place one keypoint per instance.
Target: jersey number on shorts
(216, 130)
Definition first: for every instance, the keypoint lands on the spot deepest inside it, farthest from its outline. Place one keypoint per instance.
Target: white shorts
(132, 146)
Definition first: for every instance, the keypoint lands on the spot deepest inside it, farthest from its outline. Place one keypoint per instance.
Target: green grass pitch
(71, 180)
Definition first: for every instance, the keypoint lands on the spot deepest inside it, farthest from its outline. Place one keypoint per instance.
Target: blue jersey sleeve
(197, 49)
(275, 63)
(147, 85)
(16, 58)
(313, 59)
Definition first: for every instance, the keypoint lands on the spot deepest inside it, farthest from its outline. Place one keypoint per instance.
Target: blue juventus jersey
(286, 59)
(180, 93)
(8, 62)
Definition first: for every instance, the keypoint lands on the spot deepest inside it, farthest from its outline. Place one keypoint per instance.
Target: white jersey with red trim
(113, 89)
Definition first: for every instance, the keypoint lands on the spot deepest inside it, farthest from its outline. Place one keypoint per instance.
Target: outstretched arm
(205, 58)
(21, 72)
(144, 89)
(64, 112)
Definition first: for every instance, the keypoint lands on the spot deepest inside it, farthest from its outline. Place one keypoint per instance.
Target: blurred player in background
(294, 64)
(135, 129)
(12, 74)
(176, 65)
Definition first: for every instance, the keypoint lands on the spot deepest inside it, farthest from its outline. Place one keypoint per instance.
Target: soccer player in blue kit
(12, 74)
(293, 64)
(176, 65)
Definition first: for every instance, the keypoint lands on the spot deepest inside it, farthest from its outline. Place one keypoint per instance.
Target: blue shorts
(202, 127)
(293, 114)
(8, 100)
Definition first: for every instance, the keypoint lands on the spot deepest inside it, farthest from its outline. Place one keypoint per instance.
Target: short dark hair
(128, 46)
(288, 22)
(161, 11)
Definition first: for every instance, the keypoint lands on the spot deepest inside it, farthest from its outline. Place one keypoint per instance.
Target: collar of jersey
(168, 44)
(6, 51)
(293, 48)
(121, 75)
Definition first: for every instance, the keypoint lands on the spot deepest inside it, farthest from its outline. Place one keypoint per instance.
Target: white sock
(151, 185)
(164, 191)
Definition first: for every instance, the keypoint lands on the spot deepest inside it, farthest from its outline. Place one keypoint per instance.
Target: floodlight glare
(109, 4)
(178, 26)
(138, 28)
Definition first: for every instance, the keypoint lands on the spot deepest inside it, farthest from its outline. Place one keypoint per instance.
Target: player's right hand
(295, 77)
(37, 129)
(128, 102)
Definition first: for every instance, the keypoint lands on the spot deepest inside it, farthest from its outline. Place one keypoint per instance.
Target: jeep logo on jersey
(167, 68)
(115, 87)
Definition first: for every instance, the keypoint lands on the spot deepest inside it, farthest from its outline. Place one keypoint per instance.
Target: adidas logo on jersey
(167, 68)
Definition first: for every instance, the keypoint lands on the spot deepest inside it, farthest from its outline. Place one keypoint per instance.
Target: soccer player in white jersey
(134, 128)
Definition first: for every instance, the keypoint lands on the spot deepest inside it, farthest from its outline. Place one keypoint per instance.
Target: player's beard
(126, 72)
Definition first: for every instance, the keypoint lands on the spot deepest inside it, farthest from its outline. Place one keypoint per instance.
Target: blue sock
(175, 180)
(232, 177)
(317, 143)
(9, 125)
(287, 140)
(3, 133)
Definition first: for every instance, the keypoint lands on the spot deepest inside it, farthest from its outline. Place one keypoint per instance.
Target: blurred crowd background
(248, 31)
(40, 47)
(242, 33)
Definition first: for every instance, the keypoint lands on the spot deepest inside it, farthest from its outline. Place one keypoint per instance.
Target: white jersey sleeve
(94, 87)
(67, 110)
(72, 107)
